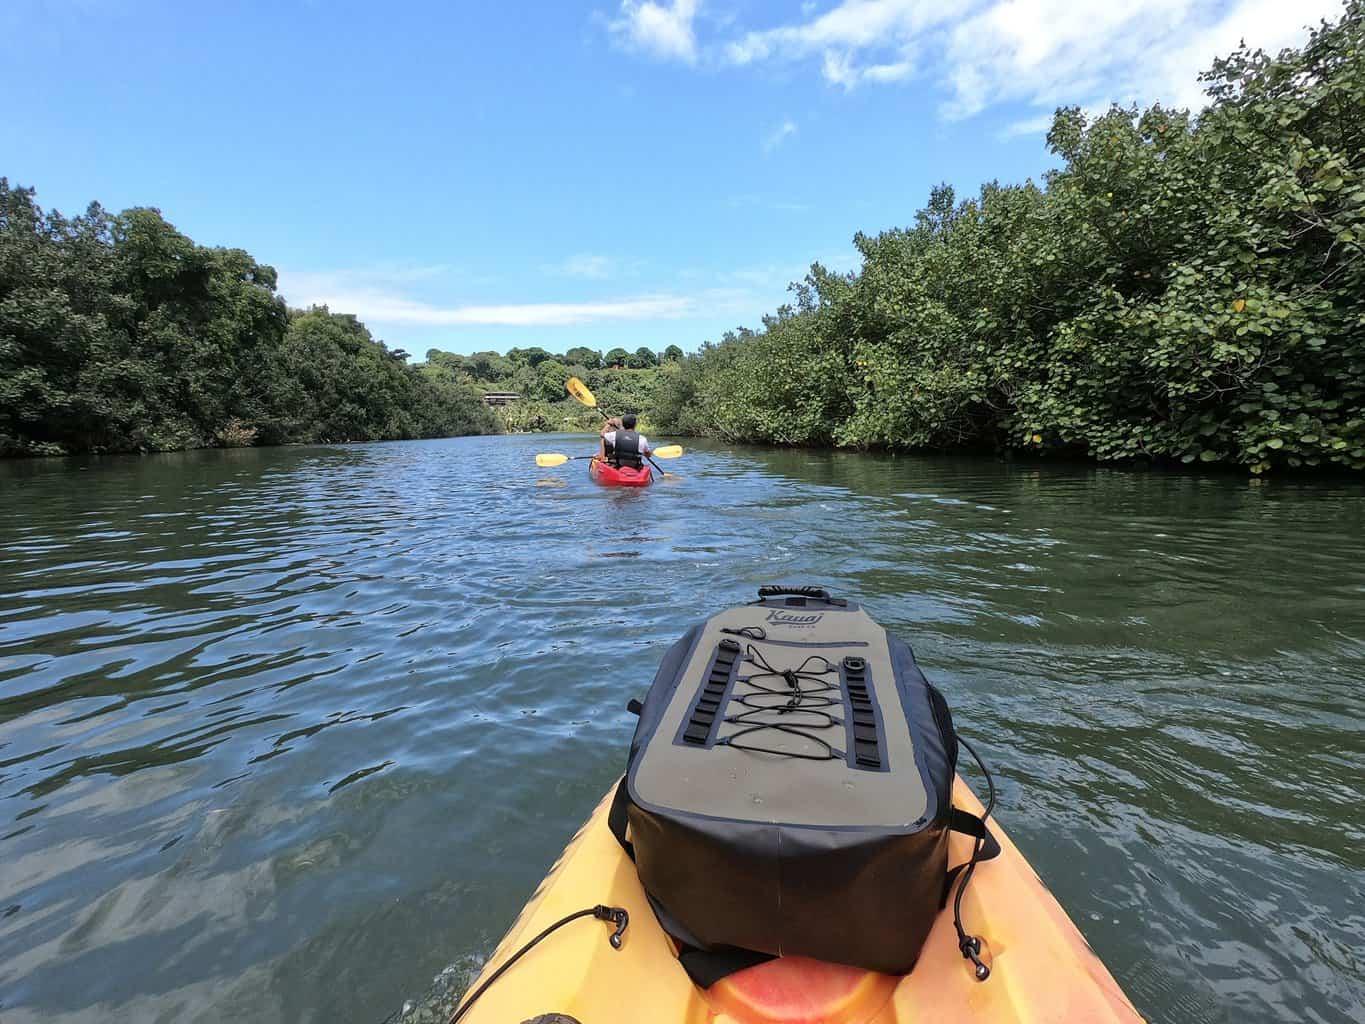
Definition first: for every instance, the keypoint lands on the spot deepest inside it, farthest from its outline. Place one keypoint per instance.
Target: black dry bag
(789, 787)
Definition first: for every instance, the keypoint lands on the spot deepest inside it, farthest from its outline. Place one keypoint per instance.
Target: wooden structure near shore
(500, 397)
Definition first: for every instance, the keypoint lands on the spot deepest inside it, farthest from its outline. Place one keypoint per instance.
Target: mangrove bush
(1181, 287)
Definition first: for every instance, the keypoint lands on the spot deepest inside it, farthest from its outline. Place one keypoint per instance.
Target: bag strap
(969, 825)
(617, 818)
(707, 966)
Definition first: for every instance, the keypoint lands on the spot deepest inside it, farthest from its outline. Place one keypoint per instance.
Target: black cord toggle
(971, 950)
(618, 916)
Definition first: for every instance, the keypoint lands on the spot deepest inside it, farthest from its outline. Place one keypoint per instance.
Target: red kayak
(612, 476)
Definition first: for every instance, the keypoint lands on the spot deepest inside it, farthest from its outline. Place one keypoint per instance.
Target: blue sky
(477, 175)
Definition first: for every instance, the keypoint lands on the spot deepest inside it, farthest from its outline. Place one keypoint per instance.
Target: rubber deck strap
(971, 825)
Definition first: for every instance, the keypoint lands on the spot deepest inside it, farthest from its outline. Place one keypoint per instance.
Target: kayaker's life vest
(788, 790)
(626, 449)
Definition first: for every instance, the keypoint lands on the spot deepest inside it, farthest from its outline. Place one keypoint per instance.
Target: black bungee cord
(970, 945)
(617, 916)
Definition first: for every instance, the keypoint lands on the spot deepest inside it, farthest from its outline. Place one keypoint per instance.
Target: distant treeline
(118, 333)
(621, 381)
(1181, 289)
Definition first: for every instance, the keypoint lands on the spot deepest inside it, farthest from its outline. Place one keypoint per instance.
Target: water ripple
(286, 733)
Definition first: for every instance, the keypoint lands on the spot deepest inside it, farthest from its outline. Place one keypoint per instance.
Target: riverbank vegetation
(622, 381)
(119, 333)
(1182, 288)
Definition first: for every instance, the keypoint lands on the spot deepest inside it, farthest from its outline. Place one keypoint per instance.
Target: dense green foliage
(628, 384)
(1180, 289)
(118, 333)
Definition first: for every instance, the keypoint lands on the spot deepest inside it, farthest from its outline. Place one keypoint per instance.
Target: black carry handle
(778, 590)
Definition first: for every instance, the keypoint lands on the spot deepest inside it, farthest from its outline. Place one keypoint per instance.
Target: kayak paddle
(580, 391)
(549, 459)
(663, 472)
(668, 451)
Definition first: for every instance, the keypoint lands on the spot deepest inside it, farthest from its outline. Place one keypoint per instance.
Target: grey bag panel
(726, 782)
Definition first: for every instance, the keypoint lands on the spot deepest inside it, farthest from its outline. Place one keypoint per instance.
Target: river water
(287, 733)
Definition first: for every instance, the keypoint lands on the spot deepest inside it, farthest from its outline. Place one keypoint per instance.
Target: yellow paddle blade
(548, 459)
(668, 451)
(580, 391)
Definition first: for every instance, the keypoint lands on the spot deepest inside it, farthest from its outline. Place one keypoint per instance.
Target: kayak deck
(1042, 968)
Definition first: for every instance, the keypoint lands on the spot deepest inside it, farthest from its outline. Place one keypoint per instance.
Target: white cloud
(1029, 126)
(779, 135)
(892, 72)
(1039, 50)
(586, 264)
(852, 28)
(1271, 25)
(1124, 51)
(984, 53)
(378, 303)
(660, 29)
(843, 70)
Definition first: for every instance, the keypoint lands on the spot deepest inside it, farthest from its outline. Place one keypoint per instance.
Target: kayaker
(621, 444)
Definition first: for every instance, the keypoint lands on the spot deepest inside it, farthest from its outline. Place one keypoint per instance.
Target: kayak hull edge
(1042, 968)
(611, 476)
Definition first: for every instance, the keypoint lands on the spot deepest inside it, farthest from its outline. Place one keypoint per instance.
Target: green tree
(489, 366)
(119, 333)
(588, 358)
(552, 374)
(532, 357)
(616, 357)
